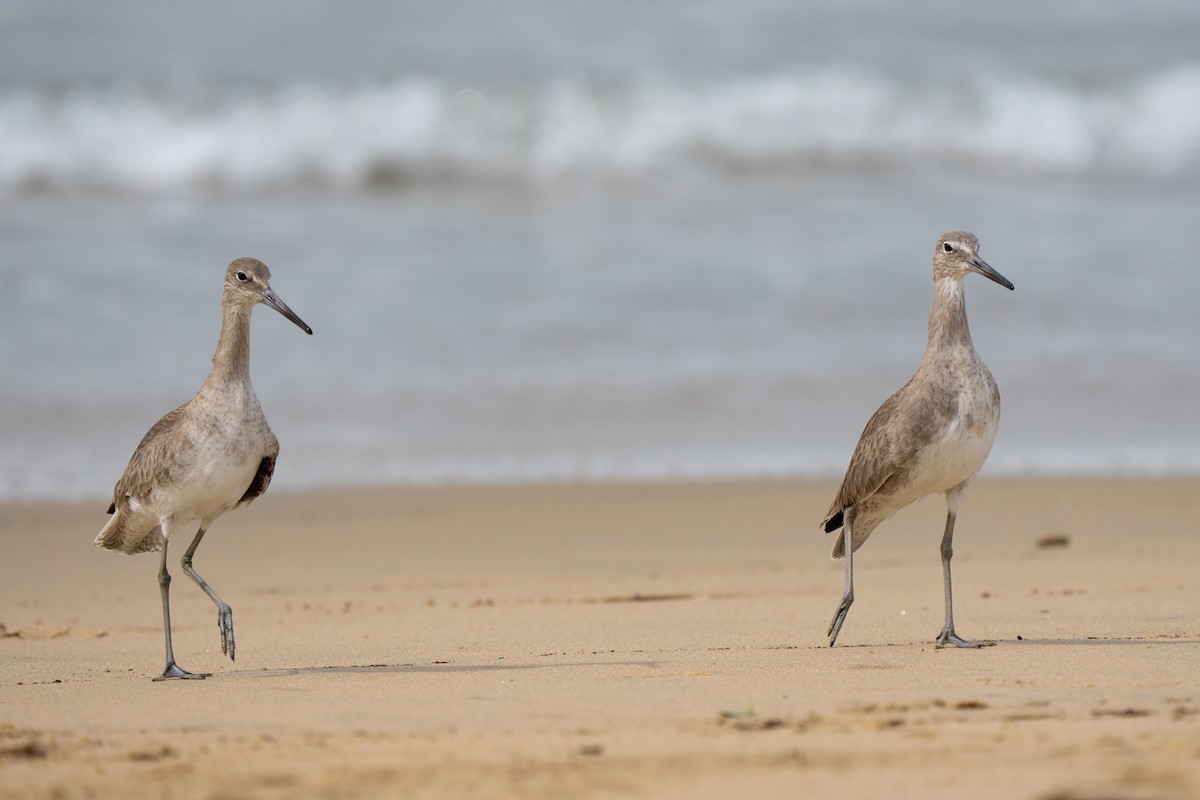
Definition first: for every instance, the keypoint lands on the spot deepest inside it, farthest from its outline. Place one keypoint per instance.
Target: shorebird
(931, 436)
(210, 455)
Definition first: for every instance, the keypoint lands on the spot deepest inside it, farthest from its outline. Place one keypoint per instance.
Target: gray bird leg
(172, 669)
(948, 636)
(224, 612)
(843, 608)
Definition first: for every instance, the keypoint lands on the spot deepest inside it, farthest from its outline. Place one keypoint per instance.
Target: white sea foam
(135, 140)
(303, 472)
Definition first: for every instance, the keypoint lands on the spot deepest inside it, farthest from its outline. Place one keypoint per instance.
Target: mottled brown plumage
(932, 436)
(204, 458)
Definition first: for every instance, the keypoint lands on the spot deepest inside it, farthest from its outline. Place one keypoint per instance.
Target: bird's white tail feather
(839, 547)
(127, 538)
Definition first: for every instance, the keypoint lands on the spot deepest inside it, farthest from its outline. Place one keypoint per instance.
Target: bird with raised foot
(210, 455)
(932, 436)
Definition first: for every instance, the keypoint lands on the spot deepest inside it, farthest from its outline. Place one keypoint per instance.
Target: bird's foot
(225, 623)
(173, 671)
(949, 638)
(839, 616)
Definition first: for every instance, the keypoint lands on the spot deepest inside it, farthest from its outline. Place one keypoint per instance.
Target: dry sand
(613, 641)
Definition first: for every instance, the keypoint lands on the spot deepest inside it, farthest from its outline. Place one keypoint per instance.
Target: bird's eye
(243, 277)
(949, 248)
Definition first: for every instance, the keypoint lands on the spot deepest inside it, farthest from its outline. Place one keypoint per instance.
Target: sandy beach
(658, 641)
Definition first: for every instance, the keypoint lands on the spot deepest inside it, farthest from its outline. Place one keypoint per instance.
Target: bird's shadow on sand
(1103, 640)
(438, 667)
(1089, 641)
(447, 667)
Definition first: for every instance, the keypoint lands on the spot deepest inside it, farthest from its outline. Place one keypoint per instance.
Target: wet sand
(661, 641)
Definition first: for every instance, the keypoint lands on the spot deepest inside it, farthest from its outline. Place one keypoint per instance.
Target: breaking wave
(138, 140)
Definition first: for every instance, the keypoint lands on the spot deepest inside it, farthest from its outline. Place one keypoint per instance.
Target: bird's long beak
(977, 264)
(271, 299)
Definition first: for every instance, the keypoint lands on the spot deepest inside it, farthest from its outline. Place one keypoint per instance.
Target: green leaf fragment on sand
(739, 713)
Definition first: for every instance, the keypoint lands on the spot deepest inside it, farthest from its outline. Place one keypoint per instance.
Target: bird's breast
(961, 447)
(225, 444)
(217, 478)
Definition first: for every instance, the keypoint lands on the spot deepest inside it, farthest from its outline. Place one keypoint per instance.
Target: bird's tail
(857, 536)
(125, 536)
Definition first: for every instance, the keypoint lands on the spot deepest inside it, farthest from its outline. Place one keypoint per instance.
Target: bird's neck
(948, 317)
(231, 361)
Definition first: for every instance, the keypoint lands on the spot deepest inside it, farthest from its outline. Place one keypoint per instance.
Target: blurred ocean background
(595, 239)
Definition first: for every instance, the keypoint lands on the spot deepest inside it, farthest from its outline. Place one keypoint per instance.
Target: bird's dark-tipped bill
(985, 269)
(271, 299)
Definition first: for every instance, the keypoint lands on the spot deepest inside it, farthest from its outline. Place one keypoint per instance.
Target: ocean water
(595, 240)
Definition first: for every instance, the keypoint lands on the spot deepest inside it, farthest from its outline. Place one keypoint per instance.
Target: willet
(211, 454)
(932, 435)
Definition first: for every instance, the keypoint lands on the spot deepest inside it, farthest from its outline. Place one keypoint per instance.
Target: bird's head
(248, 282)
(957, 253)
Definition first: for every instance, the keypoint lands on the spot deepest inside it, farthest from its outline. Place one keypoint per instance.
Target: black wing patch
(262, 479)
